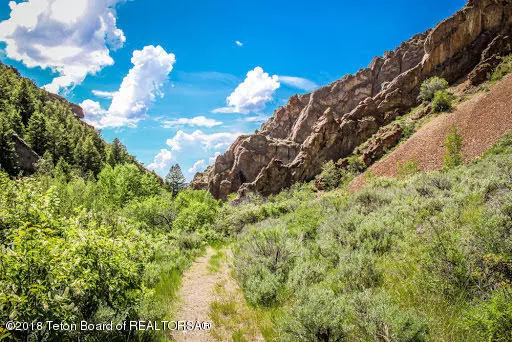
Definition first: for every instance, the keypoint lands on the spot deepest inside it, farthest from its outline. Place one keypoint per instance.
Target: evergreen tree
(8, 155)
(175, 180)
(26, 100)
(87, 157)
(37, 133)
(117, 153)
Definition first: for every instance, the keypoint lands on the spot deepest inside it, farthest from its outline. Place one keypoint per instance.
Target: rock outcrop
(333, 120)
(27, 158)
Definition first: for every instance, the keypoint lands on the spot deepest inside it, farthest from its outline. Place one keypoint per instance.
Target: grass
(231, 316)
(216, 261)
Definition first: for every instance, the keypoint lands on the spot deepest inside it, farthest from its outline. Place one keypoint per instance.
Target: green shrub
(196, 210)
(377, 318)
(503, 69)
(431, 86)
(263, 259)
(402, 260)
(442, 102)
(317, 315)
(331, 176)
(407, 169)
(492, 319)
(453, 148)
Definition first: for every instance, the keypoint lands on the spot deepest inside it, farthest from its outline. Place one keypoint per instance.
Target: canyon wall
(333, 120)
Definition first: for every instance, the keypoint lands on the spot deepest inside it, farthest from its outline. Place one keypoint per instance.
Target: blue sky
(169, 66)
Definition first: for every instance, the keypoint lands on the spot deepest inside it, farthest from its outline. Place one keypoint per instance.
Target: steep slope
(482, 121)
(36, 123)
(330, 122)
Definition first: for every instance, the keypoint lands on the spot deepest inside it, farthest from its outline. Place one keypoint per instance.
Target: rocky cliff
(333, 120)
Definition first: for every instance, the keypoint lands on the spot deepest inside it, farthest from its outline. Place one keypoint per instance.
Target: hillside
(35, 124)
(331, 122)
(482, 121)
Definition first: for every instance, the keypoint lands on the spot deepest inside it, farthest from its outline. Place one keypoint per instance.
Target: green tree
(175, 180)
(26, 99)
(453, 148)
(8, 156)
(117, 153)
(37, 133)
(87, 157)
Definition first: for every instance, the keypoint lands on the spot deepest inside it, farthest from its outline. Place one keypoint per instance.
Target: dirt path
(483, 120)
(209, 293)
(195, 297)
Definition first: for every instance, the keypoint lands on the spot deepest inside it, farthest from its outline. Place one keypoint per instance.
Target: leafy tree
(175, 180)
(453, 148)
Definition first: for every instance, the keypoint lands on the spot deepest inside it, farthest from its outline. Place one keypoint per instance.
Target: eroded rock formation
(333, 120)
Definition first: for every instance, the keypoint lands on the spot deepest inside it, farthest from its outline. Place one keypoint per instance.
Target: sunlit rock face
(333, 120)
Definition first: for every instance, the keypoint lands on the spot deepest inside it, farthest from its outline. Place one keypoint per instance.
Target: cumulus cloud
(252, 94)
(72, 38)
(162, 161)
(151, 68)
(298, 82)
(199, 121)
(104, 94)
(198, 138)
(239, 43)
(197, 166)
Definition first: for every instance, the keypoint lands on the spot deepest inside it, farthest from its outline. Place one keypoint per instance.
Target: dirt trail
(195, 298)
(206, 286)
(482, 120)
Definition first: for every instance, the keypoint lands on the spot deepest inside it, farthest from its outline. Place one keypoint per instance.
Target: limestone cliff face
(330, 122)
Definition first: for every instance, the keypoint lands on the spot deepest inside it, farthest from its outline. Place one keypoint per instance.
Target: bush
(317, 315)
(196, 211)
(401, 260)
(493, 319)
(503, 69)
(453, 147)
(407, 169)
(331, 176)
(263, 259)
(442, 102)
(431, 86)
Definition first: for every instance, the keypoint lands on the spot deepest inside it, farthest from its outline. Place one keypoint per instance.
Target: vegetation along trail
(206, 287)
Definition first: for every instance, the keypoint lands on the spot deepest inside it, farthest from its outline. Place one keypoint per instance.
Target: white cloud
(162, 161)
(199, 138)
(72, 38)
(239, 43)
(214, 158)
(258, 118)
(151, 68)
(197, 166)
(252, 94)
(104, 94)
(298, 82)
(199, 121)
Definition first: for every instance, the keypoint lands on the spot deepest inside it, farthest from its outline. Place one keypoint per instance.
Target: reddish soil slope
(482, 121)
